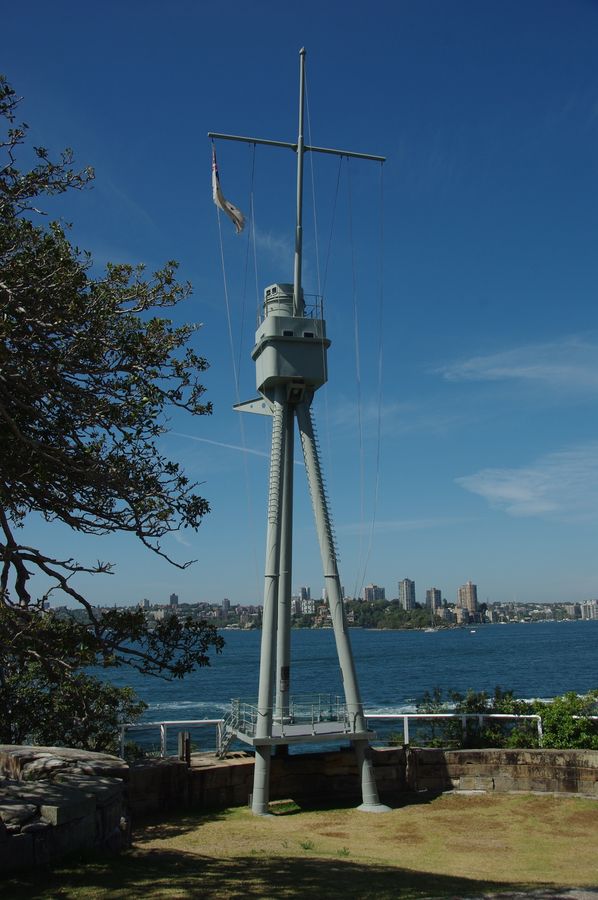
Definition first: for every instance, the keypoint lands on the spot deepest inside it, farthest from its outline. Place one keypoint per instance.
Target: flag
(231, 211)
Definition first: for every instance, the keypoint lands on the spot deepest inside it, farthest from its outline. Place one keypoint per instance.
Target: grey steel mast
(290, 357)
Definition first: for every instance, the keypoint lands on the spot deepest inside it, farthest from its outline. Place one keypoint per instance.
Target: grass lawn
(454, 845)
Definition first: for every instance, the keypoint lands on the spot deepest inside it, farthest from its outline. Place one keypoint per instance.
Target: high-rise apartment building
(407, 594)
(174, 600)
(372, 592)
(433, 598)
(467, 597)
(307, 606)
(304, 593)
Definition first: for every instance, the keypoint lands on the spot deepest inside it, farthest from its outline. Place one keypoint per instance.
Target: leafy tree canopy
(88, 372)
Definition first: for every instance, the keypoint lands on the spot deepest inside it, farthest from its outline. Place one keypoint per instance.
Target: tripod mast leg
(283, 640)
(261, 776)
(369, 790)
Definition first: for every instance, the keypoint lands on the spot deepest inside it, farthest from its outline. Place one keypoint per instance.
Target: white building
(407, 594)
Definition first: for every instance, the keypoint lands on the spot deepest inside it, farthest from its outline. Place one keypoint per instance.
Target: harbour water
(395, 668)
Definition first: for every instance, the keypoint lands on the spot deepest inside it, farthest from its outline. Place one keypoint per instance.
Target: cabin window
(287, 333)
(308, 334)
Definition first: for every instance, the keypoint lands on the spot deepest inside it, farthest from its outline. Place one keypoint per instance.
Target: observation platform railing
(307, 719)
(210, 735)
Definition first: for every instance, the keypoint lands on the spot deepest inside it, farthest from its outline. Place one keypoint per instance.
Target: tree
(88, 371)
(476, 733)
(567, 721)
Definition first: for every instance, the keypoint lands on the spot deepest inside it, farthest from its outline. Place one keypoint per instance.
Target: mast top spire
(300, 148)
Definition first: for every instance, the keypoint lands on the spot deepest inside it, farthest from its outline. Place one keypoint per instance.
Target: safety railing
(243, 717)
(303, 709)
(164, 729)
(479, 718)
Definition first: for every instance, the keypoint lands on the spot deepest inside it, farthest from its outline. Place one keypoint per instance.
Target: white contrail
(202, 440)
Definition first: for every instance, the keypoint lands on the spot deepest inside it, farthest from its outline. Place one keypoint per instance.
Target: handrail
(454, 715)
(388, 717)
(163, 726)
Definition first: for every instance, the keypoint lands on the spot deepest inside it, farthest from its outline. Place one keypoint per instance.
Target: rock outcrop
(55, 800)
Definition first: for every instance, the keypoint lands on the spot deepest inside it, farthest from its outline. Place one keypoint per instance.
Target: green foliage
(384, 614)
(566, 721)
(433, 702)
(88, 372)
(495, 733)
(134, 752)
(87, 377)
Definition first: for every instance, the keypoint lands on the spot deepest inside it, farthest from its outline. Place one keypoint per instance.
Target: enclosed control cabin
(288, 348)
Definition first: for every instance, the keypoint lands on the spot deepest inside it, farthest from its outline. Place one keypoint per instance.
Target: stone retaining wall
(213, 783)
(551, 771)
(54, 800)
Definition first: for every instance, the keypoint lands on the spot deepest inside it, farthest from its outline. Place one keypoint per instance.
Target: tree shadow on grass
(396, 800)
(165, 874)
(155, 827)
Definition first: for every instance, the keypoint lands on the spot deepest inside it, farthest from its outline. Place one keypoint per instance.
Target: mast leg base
(374, 808)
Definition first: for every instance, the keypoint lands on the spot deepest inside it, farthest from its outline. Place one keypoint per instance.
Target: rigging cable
(358, 386)
(254, 243)
(235, 369)
(244, 292)
(313, 194)
(319, 281)
(380, 370)
(336, 193)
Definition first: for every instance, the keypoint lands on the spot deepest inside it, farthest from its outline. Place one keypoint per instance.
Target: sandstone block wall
(54, 800)
(333, 776)
(553, 771)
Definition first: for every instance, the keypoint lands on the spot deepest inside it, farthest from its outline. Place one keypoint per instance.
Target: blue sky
(486, 312)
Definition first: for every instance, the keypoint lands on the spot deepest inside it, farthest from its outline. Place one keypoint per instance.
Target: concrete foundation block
(68, 809)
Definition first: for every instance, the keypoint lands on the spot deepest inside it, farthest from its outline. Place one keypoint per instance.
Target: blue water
(394, 667)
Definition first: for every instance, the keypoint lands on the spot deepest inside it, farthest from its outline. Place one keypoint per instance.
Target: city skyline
(466, 597)
(479, 454)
